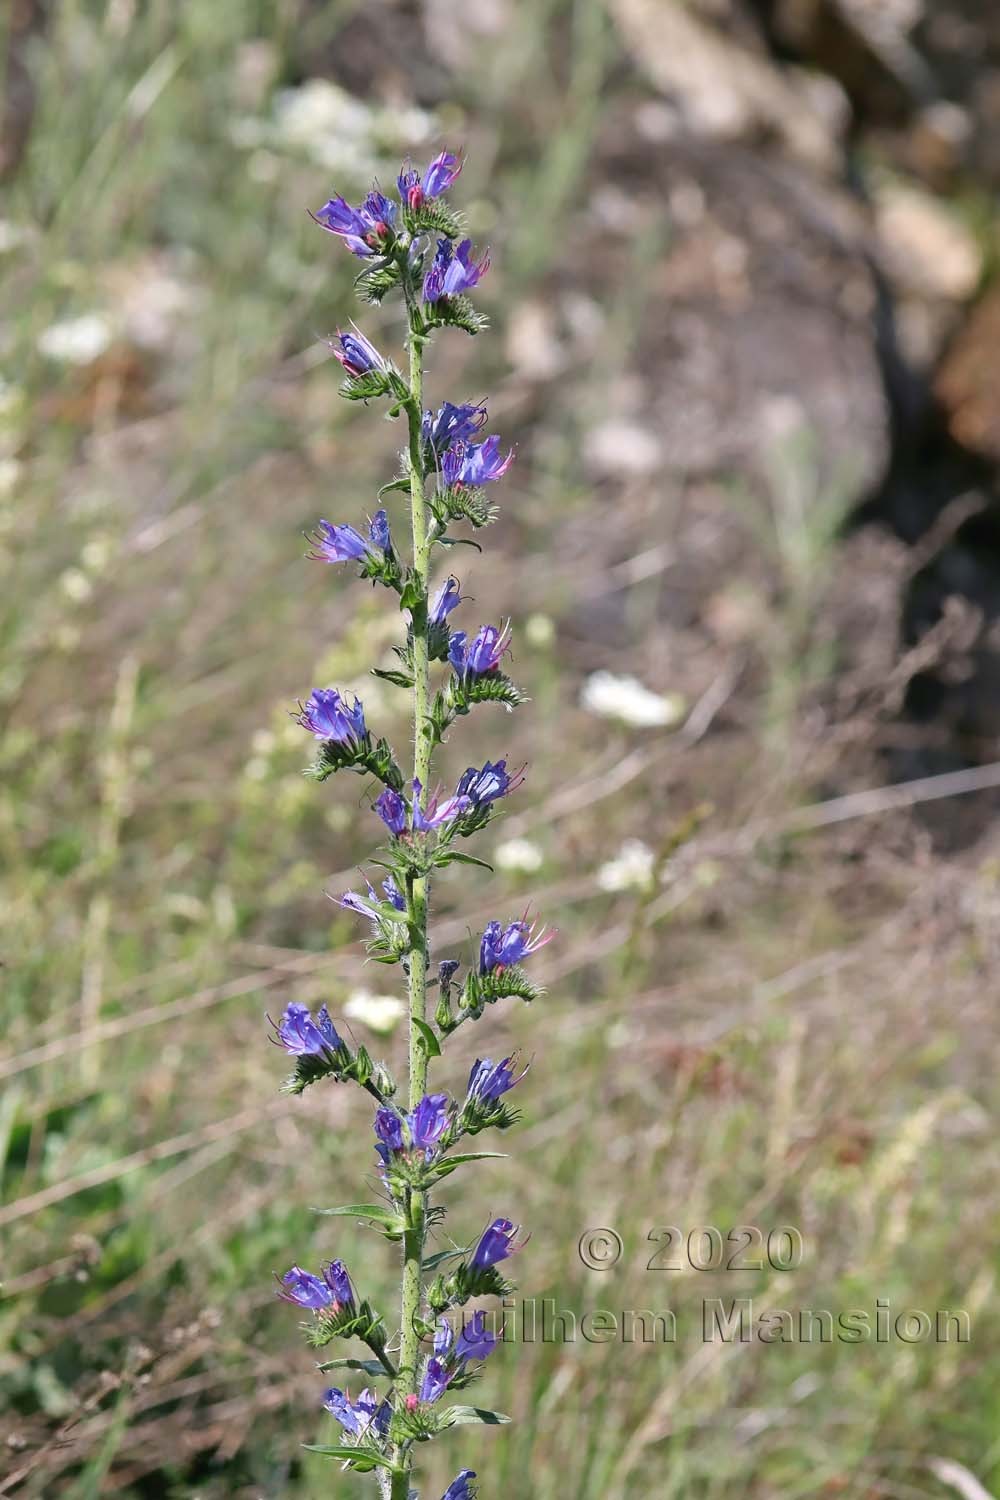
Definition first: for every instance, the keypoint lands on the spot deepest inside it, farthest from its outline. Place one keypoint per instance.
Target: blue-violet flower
(453, 270)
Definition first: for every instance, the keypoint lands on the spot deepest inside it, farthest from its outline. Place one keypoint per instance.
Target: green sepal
(454, 312)
(412, 595)
(338, 1063)
(489, 687)
(382, 567)
(438, 640)
(434, 216)
(462, 502)
(369, 385)
(499, 984)
(366, 757)
(376, 281)
(361, 1322)
(465, 1282)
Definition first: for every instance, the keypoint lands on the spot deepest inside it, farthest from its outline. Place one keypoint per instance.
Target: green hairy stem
(417, 888)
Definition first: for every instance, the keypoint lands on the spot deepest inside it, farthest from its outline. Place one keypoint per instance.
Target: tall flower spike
(413, 250)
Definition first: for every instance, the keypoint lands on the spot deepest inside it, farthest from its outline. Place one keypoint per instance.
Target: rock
(722, 90)
(968, 381)
(927, 250)
(761, 297)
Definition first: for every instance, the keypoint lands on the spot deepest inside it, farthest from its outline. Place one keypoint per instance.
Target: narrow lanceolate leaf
(366, 1211)
(431, 1044)
(461, 1416)
(456, 857)
(447, 1165)
(366, 1366)
(363, 1460)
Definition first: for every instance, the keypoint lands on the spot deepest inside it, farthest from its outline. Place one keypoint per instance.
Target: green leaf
(448, 1164)
(365, 1211)
(456, 857)
(440, 1256)
(461, 1416)
(401, 483)
(361, 1459)
(398, 679)
(430, 1041)
(366, 1366)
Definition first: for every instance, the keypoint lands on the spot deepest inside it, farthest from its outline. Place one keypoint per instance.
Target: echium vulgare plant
(414, 248)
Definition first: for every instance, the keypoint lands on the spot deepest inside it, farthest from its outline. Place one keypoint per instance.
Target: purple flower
(391, 808)
(357, 354)
(435, 1381)
(475, 1340)
(447, 969)
(456, 650)
(420, 1129)
(393, 894)
(328, 716)
(491, 782)
(428, 1121)
(301, 1036)
(502, 947)
(304, 1289)
(437, 179)
(453, 270)
(336, 1277)
(460, 1488)
(389, 1130)
(475, 463)
(444, 1337)
(337, 544)
(351, 901)
(358, 1417)
(379, 531)
(484, 655)
(496, 1244)
(441, 173)
(363, 229)
(452, 424)
(436, 814)
(444, 601)
(488, 1080)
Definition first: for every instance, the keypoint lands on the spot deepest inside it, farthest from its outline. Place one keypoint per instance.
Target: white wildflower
(380, 1013)
(76, 341)
(631, 869)
(518, 854)
(626, 698)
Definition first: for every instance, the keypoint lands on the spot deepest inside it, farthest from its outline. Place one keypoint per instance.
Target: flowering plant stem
(415, 1144)
(417, 891)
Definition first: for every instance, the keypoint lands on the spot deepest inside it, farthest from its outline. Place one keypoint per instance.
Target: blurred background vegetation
(746, 344)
